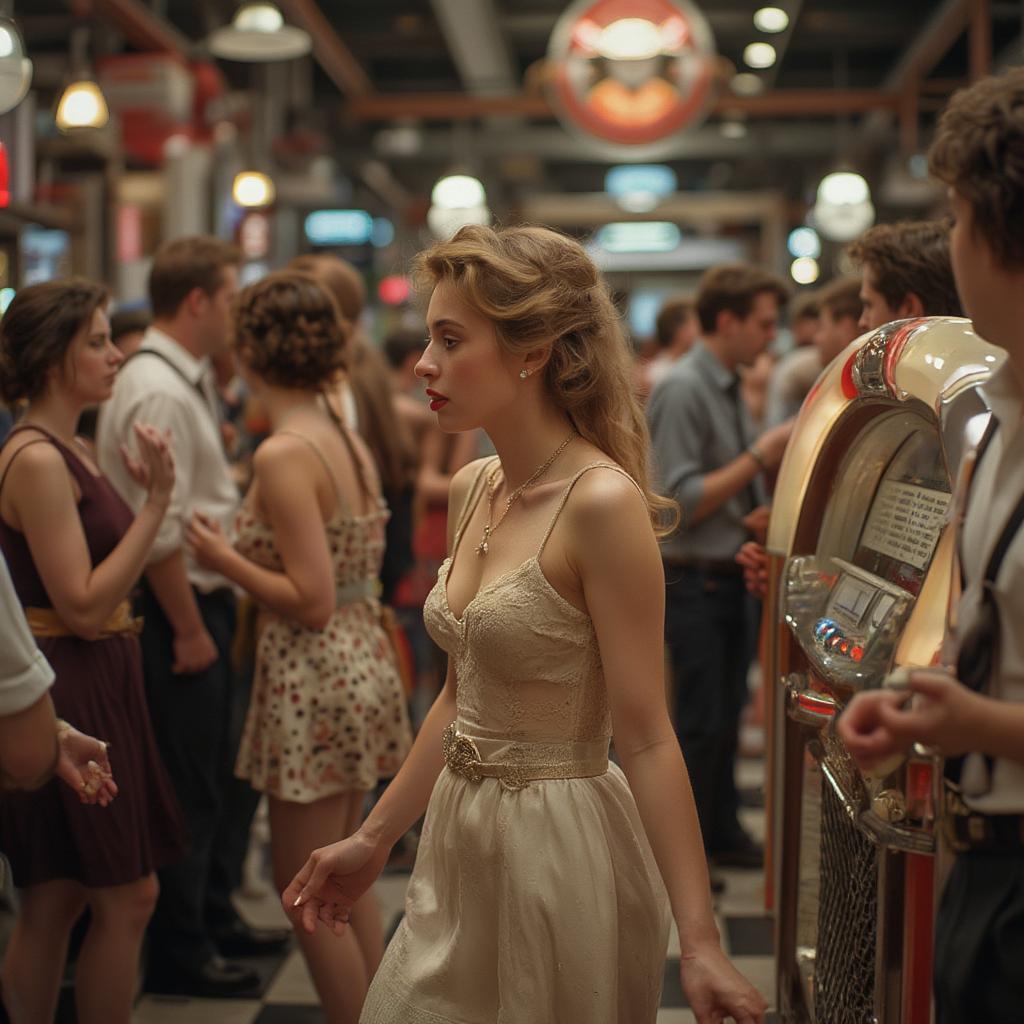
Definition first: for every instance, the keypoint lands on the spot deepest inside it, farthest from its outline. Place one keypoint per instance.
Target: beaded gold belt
(45, 622)
(518, 768)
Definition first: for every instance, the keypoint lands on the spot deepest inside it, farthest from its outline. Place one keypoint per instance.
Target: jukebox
(861, 573)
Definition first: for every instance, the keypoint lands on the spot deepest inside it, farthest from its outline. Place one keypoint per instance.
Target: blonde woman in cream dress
(546, 876)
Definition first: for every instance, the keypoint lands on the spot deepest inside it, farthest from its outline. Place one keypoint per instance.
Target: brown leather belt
(968, 831)
(45, 622)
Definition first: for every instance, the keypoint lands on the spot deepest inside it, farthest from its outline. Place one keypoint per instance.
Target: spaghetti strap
(357, 462)
(343, 506)
(468, 506)
(568, 490)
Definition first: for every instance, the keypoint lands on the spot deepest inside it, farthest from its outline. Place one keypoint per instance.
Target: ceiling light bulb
(746, 84)
(771, 19)
(458, 192)
(630, 39)
(259, 17)
(804, 270)
(253, 189)
(733, 128)
(15, 67)
(258, 33)
(804, 242)
(759, 55)
(843, 187)
(82, 106)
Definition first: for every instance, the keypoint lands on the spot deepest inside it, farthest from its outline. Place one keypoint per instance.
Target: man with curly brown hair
(979, 948)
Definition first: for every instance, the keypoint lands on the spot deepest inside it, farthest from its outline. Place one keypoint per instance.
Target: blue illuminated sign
(339, 227)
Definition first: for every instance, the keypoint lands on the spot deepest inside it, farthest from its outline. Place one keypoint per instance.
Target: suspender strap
(174, 366)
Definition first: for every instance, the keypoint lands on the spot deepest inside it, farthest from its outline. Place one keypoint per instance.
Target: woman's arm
(285, 472)
(614, 552)
(334, 877)
(43, 499)
(405, 799)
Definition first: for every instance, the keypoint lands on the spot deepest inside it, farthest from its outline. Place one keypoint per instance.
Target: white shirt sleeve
(25, 675)
(164, 411)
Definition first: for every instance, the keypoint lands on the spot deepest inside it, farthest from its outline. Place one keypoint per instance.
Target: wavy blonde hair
(539, 287)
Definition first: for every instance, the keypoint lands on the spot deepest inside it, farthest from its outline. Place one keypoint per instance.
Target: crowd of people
(280, 550)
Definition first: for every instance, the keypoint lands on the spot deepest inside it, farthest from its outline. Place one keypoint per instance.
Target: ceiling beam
(790, 140)
(460, 107)
(337, 60)
(138, 24)
(474, 40)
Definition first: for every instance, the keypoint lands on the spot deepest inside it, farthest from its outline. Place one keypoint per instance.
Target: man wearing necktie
(701, 435)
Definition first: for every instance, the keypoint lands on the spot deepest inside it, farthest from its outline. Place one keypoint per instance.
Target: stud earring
(523, 374)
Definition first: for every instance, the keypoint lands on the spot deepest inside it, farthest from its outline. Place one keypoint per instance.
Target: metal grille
(844, 982)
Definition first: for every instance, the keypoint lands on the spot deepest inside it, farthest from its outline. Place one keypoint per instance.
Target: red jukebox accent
(631, 72)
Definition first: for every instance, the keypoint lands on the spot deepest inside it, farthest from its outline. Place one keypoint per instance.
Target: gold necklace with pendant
(483, 547)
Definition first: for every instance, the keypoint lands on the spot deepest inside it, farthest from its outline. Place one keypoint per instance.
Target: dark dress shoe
(241, 940)
(216, 978)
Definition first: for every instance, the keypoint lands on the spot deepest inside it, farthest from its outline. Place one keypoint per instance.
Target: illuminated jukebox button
(824, 628)
(829, 636)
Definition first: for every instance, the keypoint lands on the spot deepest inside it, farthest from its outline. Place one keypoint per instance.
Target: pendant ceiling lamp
(15, 67)
(258, 33)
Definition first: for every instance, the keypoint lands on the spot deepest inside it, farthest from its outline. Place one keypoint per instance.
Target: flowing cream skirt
(537, 906)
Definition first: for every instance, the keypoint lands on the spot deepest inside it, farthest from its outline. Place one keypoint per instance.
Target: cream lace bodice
(526, 660)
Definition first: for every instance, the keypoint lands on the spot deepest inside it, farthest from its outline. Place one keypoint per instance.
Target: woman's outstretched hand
(332, 880)
(716, 991)
(85, 766)
(153, 468)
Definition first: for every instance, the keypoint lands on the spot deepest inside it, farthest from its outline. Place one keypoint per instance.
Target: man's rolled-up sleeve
(25, 675)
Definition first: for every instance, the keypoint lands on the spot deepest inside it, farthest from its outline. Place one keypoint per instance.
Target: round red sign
(631, 72)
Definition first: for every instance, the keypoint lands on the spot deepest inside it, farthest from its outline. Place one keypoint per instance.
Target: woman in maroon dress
(75, 552)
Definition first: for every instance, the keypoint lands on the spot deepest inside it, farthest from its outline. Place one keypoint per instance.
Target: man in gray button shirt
(708, 461)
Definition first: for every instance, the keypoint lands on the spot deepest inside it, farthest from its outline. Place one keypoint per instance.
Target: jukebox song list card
(905, 522)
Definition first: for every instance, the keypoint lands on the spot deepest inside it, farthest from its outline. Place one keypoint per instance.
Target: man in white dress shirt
(189, 611)
(979, 941)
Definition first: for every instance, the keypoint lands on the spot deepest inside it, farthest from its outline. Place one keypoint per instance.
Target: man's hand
(934, 709)
(85, 766)
(756, 523)
(193, 652)
(754, 560)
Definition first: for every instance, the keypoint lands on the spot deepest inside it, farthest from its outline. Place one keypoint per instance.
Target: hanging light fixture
(82, 105)
(457, 200)
(15, 67)
(843, 209)
(258, 33)
(253, 189)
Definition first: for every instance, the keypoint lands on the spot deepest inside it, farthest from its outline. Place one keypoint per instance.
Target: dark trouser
(706, 629)
(191, 717)
(979, 941)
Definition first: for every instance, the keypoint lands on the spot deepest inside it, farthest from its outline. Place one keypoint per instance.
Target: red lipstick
(437, 400)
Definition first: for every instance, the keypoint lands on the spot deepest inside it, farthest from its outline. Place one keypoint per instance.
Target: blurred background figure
(127, 328)
(675, 330)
